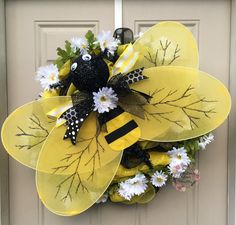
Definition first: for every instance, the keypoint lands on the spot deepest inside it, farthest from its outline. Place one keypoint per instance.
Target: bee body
(122, 130)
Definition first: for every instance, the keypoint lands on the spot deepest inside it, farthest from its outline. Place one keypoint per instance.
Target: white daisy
(105, 100)
(47, 75)
(107, 41)
(205, 140)
(176, 169)
(124, 191)
(79, 43)
(133, 186)
(103, 198)
(159, 179)
(179, 156)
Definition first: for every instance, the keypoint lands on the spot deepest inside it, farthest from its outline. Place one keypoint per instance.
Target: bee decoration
(89, 74)
(153, 91)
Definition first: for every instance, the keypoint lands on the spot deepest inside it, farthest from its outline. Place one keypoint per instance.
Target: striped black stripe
(112, 114)
(118, 133)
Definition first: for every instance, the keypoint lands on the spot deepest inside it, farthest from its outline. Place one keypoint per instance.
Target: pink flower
(176, 169)
(180, 187)
(196, 175)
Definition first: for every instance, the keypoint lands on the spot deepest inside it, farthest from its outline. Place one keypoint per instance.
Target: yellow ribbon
(58, 111)
(65, 69)
(126, 60)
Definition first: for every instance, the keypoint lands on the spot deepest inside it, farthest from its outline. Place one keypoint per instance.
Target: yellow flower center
(103, 98)
(179, 157)
(159, 179)
(52, 76)
(105, 44)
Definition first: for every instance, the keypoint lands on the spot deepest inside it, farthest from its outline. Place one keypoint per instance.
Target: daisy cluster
(180, 172)
(104, 42)
(133, 186)
(138, 185)
(179, 161)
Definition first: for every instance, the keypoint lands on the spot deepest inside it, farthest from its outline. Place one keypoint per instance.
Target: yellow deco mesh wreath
(117, 122)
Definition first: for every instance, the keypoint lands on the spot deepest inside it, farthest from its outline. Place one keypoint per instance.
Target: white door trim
(118, 13)
(232, 122)
(118, 21)
(4, 188)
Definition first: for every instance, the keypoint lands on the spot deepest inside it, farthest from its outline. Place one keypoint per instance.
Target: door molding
(4, 186)
(232, 122)
(118, 14)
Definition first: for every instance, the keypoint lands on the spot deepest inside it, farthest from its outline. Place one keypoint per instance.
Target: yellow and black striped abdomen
(122, 130)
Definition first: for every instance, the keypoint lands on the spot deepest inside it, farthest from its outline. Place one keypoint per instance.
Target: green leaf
(90, 36)
(68, 47)
(59, 62)
(192, 147)
(96, 45)
(62, 53)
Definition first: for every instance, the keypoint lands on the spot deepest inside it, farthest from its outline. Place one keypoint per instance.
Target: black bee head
(89, 73)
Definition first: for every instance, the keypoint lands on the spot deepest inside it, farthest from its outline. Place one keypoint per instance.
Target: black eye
(86, 57)
(73, 66)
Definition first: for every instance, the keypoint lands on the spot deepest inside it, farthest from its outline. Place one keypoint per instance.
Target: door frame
(4, 166)
(232, 121)
(4, 186)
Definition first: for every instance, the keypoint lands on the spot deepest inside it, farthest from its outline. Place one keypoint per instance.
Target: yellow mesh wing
(167, 43)
(26, 129)
(185, 103)
(71, 178)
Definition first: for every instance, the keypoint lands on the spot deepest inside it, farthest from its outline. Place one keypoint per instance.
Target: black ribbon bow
(83, 103)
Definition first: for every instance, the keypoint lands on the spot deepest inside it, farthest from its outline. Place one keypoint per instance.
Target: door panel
(35, 28)
(210, 24)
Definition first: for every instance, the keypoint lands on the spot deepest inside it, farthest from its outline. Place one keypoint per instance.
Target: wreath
(117, 119)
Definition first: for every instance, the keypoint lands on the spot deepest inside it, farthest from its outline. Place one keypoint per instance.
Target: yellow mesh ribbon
(65, 70)
(157, 159)
(144, 198)
(50, 93)
(121, 48)
(71, 90)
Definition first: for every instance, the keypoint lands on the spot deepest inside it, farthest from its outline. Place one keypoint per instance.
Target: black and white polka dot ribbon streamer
(135, 76)
(75, 117)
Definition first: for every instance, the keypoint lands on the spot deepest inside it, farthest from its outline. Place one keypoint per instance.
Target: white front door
(34, 30)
